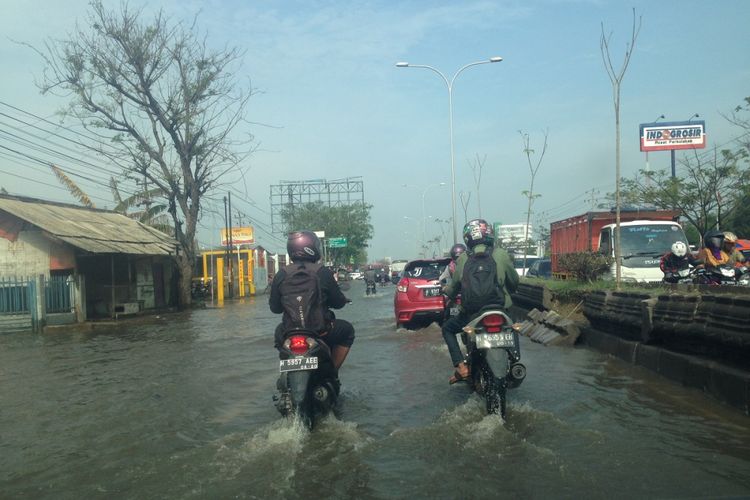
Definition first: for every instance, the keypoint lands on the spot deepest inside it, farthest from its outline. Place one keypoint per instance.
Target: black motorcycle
(308, 385)
(681, 276)
(370, 288)
(724, 275)
(493, 356)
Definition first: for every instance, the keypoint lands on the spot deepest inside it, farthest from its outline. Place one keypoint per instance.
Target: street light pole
(424, 220)
(449, 84)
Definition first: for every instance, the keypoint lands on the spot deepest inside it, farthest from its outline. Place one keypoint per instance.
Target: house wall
(28, 255)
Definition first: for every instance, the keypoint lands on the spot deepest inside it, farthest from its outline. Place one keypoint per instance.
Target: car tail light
(297, 344)
(493, 323)
(403, 285)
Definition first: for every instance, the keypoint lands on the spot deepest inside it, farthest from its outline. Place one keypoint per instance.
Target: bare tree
(476, 170)
(529, 194)
(167, 103)
(465, 198)
(616, 77)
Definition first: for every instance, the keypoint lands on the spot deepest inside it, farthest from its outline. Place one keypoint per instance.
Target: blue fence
(17, 295)
(57, 294)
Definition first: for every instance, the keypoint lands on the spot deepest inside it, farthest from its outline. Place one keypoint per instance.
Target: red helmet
(457, 250)
(303, 245)
(478, 232)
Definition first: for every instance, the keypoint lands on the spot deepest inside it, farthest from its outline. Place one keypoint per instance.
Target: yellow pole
(205, 268)
(250, 275)
(241, 277)
(220, 279)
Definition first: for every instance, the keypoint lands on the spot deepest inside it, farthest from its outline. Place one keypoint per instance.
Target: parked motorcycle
(371, 288)
(308, 385)
(493, 357)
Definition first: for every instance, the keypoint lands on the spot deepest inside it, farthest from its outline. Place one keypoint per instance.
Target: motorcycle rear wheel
(487, 385)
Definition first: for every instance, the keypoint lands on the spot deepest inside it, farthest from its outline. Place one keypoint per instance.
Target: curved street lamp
(449, 84)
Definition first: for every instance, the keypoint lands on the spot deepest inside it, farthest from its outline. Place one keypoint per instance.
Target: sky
(330, 102)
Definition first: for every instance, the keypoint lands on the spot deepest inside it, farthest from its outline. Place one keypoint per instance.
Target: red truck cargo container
(581, 233)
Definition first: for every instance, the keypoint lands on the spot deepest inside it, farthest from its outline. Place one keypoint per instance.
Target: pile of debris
(549, 328)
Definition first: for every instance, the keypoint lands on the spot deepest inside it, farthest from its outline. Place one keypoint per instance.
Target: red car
(418, 299)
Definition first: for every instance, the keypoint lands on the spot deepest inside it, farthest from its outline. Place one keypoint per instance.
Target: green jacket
(507, 277)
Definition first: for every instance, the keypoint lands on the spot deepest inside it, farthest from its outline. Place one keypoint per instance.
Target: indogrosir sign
(673, 135)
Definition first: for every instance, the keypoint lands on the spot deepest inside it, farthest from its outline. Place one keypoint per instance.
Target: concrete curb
(727, 384)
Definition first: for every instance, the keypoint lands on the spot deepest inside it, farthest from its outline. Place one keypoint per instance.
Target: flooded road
(179, 406)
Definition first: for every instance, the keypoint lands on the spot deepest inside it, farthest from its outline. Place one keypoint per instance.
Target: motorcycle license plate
(454, 311)
(432, 292)
(492, 340)
(297, 364)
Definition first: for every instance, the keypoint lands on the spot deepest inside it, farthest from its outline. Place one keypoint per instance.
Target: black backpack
(301, 297)
(479, 285)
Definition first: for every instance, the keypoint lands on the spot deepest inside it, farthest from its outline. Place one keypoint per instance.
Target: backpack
(479, 285)
(301, 297)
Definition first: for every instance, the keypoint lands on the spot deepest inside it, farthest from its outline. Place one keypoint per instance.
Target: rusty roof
(92, 230)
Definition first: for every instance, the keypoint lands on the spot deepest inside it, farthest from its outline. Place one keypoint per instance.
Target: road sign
(336, 242)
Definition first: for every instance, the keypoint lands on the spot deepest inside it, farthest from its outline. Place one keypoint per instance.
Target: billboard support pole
(673, 169)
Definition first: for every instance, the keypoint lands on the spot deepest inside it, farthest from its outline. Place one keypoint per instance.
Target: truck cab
(643, 244)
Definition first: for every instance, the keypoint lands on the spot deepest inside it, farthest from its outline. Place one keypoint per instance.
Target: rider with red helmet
(303, 248)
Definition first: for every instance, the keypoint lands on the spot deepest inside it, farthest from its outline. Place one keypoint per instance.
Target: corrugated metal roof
(95, 231)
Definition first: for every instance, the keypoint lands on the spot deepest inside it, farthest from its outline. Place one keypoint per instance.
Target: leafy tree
(167, 102)
(348, 221)
(739, 220)
(710, 190)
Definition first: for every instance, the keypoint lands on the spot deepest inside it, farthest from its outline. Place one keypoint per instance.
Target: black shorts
(342, 333)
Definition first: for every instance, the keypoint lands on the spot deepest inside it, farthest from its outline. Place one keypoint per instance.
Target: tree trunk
(185, 268)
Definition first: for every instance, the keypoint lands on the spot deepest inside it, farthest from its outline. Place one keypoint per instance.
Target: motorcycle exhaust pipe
(516, 375)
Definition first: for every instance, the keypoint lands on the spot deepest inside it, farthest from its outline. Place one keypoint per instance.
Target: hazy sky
(331, 103)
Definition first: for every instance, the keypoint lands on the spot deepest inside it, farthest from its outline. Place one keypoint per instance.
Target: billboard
(240, 236)
(666, 136)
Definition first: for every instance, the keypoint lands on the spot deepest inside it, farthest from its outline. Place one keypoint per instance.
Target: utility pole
(226, 235)
(231, 245)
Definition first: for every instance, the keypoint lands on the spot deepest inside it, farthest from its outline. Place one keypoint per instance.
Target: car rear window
(425, 270)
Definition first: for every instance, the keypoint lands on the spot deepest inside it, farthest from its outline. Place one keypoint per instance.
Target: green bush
(586, 267)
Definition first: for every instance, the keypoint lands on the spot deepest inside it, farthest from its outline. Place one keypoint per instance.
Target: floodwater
(179, 406)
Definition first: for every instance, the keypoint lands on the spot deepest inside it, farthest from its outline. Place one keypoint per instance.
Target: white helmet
(679, 248)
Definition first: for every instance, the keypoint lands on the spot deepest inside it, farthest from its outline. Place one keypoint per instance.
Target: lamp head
(496, 59)
(402, 64)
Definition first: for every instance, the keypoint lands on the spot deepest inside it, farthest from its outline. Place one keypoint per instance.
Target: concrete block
(731, 386)
(648, 357)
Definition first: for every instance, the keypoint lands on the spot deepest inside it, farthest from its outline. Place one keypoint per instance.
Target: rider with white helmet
(678, 258)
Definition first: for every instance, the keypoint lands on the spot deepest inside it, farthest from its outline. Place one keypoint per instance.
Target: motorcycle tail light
(297, 344)
(403, 285)
(493, 323)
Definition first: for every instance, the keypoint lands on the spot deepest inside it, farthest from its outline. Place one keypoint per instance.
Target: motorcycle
(493, 357)
(681, 276)
(308, 383)
(724, 276)
(370, 288)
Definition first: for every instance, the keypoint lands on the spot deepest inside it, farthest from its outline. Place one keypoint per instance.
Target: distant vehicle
(397, 267)
(418, 299)
(342, 275)
(646, 235)
(356, 275)
(518, 263)
(541, 268)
